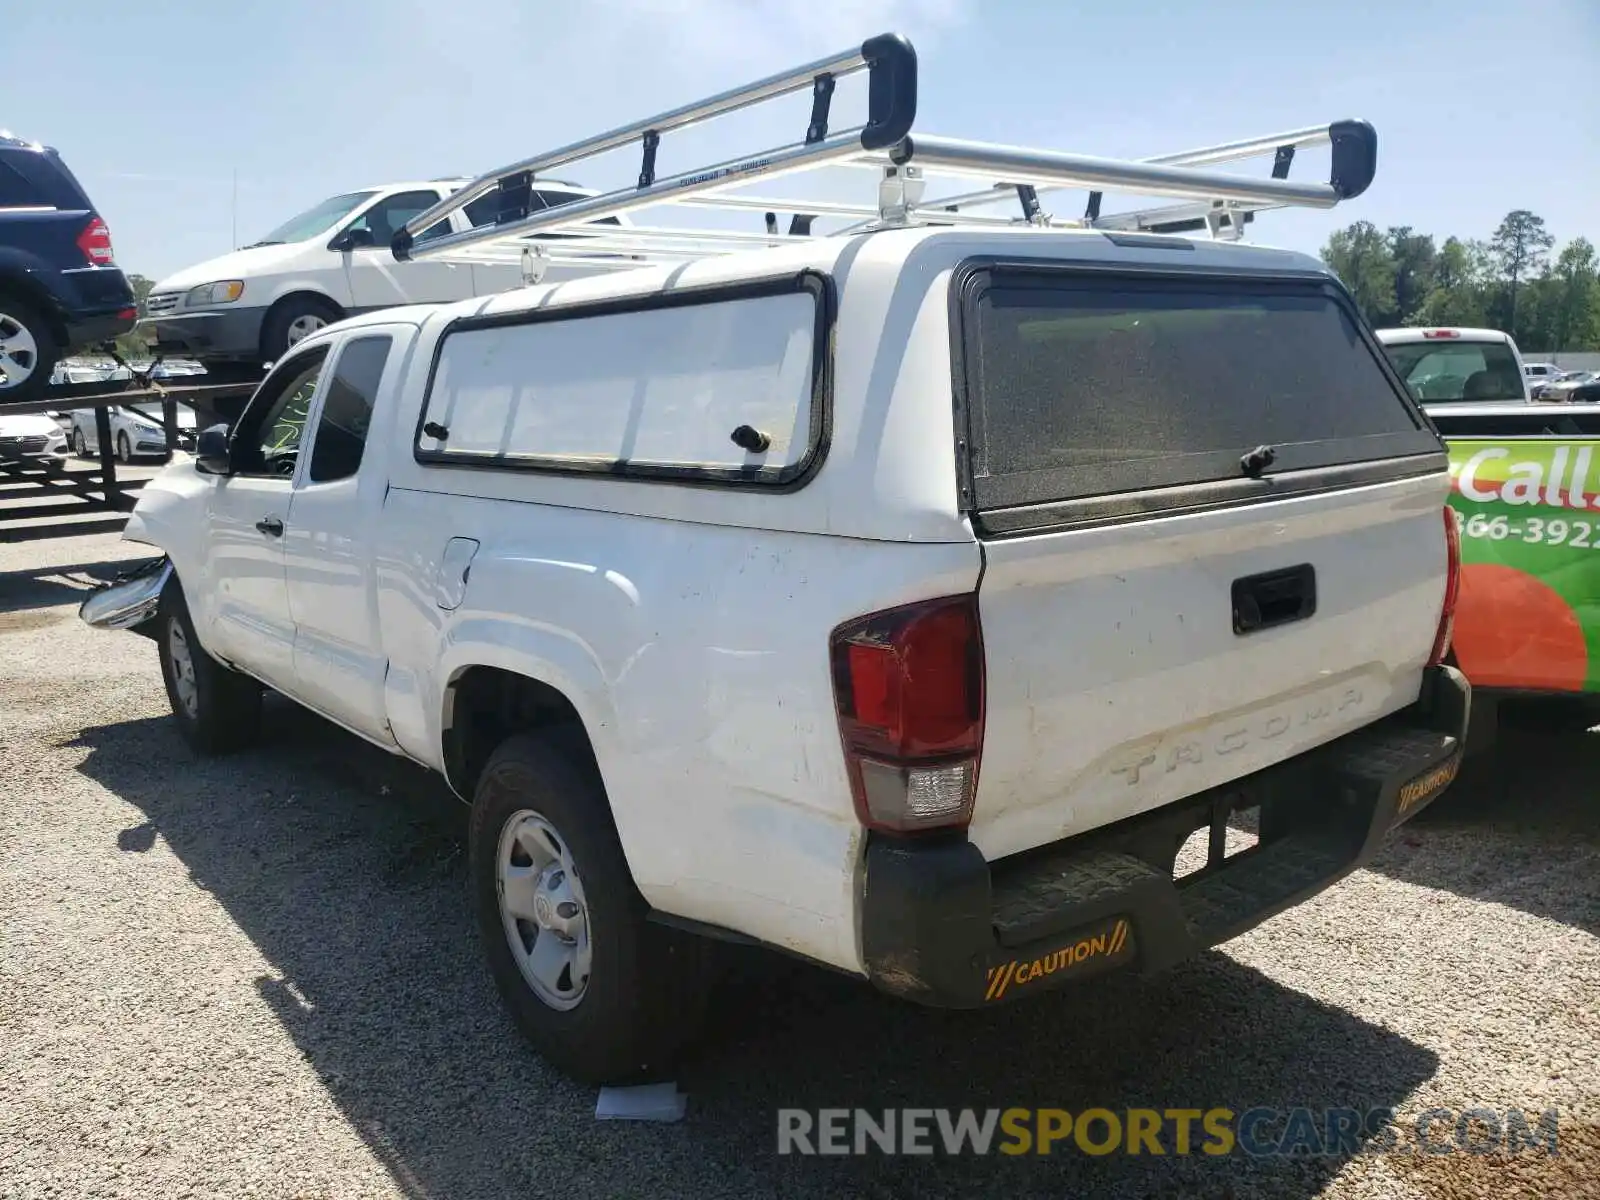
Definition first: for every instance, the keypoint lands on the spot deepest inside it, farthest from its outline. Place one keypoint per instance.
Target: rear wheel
(601, 993)
(28, 351)
(217, 709)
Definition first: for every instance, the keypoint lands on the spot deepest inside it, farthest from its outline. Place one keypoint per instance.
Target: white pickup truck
(903, 600)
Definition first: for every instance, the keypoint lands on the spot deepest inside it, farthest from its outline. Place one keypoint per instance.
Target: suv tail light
(1452, 587)
(95, 242)
(908, 685)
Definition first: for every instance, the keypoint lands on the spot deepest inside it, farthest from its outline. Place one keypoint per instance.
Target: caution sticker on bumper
(1110, 945)
(1425, 787)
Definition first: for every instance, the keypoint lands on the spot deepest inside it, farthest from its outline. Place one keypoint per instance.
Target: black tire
(18, 315)
(80, 447)
(648, 985)
(226, 715)
(280, 321)
(124, 450)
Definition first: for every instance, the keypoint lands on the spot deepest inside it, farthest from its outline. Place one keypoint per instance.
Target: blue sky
(156, 105)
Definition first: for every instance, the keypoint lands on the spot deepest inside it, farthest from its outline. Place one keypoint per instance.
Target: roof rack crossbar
(1209, 199)
(1019, 165)
(892, 104)
(937, 208)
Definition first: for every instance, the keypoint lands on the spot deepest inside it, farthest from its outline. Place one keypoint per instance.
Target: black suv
(59, 287)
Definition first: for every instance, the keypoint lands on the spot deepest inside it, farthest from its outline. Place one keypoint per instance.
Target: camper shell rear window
(725, 385)
(1082, 383)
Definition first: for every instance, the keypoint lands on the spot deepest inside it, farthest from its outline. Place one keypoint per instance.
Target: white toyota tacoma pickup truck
(902, 600)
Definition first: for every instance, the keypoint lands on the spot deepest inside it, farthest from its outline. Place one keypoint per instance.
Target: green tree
(1457, 296)
(1576, 284)
(1414, 266)
(1537, 314)
(1361, 258)
(1519, 247)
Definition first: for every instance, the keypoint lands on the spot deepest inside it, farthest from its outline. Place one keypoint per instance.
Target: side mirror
(211, 451)
(353, 239)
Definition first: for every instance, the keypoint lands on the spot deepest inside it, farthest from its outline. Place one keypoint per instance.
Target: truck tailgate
(1213, 529)
(1116, 682)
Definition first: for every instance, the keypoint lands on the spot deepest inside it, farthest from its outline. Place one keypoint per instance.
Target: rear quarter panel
(697, 656)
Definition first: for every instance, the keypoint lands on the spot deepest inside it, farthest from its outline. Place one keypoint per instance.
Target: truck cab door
(376, 279)
(339, 659)
(248, 621)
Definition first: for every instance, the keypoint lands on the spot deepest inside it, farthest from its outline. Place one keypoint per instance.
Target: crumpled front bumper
(130, 599)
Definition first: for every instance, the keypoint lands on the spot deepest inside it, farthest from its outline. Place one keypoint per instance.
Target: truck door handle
(1274, 598)
(270, 526)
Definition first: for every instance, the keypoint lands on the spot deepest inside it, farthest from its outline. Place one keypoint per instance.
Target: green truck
(1527, 506)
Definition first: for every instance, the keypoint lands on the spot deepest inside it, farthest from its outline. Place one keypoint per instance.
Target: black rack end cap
(891, 90)
(400, 244)
(1355, 157)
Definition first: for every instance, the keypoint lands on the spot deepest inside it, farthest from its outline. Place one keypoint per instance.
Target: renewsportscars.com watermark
(1215, 1132)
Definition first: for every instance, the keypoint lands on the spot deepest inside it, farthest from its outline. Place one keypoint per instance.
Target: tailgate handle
(1274, 598)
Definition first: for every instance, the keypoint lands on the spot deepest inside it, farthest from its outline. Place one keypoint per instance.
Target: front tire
(217, 709)
(28, 351)
(291, 320)
(80, 447)
(124, 451)
(601, 993)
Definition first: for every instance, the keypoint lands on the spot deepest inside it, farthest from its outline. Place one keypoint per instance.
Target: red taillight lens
(1441, 333)
(1452, 587)
(95, 242)
(908, 684)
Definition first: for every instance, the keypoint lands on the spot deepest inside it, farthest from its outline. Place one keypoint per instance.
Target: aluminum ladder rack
(1216, 202)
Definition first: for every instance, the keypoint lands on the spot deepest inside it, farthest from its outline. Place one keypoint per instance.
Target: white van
(331, 261)
(1455, 364)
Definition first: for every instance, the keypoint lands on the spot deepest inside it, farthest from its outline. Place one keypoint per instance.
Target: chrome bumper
(128, 601)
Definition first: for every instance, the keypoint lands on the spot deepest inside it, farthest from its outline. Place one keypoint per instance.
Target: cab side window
(347, 411)
(268, 437)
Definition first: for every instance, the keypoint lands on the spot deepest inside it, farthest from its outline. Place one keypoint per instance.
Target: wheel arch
(25, 287)
(483, 704)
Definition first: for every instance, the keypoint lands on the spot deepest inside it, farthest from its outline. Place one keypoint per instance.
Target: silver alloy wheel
(19, 352)
(305, 326)
(79, 446)
(182, 668)
(124, 451)
(542, 909)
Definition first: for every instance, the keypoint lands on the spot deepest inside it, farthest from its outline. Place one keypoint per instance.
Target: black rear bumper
(86, 329)
(942, 926)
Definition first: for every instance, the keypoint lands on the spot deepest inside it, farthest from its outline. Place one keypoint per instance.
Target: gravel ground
(258, 978)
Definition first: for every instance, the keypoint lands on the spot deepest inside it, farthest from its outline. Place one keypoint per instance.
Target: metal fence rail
(42, 497)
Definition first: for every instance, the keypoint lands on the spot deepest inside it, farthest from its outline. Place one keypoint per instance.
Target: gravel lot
(258, 978)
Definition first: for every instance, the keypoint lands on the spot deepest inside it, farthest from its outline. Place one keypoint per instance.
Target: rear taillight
(908, 685)
(95, 242)
(1452, 587)
(1441, 333)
